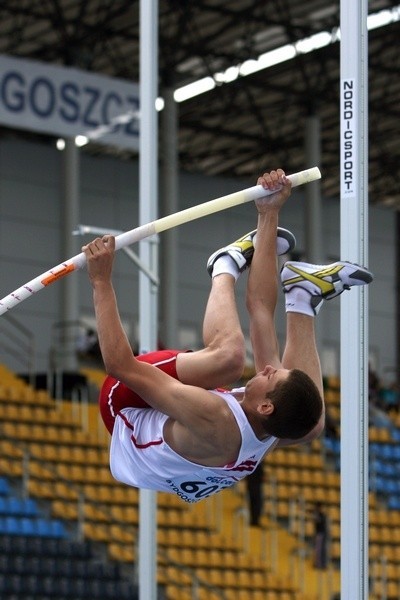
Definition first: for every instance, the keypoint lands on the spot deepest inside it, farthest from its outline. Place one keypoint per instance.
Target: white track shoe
(242, 250)
(322, 282)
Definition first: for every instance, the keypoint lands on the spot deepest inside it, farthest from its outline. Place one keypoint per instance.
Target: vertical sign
(349, 137)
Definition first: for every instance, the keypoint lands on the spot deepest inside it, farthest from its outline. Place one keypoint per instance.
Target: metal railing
(18, 342)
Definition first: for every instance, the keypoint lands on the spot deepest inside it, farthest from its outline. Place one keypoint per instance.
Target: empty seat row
(13, 506)
(44, 433)
(385, 451)
(386, 485)
(35, 414)
(70, 454)
(65, 587)
(32, 527)
(44, 547)
(64, 567)
(384, 468)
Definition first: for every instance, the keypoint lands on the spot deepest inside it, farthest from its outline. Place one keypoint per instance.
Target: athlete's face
(265, 381)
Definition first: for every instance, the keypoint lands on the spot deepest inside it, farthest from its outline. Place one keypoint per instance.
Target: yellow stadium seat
(132, 515)
(11, 467)
(229, 558)
(96, 532)
(188, 557)
(65, 510)
(187, 538)
(40, 489)
(176, 575)
(244, 578)
(393, 589)
(258, 595)
(258, 580)
(201, 557)
(10, 450)
(39, 471)
(243, 595)
(96, 514)
(64, 471)
(120, 552)
(121, 534)
(66, 491)
(216, 577)
(230, 593)
(13, 412)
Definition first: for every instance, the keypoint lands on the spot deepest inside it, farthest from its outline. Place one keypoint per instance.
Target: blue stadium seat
(30, 507)
(13, 526)
(332, 445)
(58, 529)
(396, 434)
(14, 506)
(394, 502)
(3, 506)
(4, 487)
(387, 451)
(28, 526)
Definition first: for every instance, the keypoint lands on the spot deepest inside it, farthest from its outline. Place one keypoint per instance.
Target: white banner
(63, 101)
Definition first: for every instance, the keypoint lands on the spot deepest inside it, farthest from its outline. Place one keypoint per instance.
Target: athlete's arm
(191, 406)
(262, 291)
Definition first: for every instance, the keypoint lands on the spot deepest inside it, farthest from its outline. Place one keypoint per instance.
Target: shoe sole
(285, 234)
(285, 243)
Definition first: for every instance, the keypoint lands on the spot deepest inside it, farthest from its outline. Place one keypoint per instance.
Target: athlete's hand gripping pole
(139, 233)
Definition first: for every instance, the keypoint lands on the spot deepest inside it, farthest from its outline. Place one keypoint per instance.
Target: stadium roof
(255, 121)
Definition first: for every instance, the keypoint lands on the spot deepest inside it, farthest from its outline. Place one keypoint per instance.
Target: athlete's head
(291, 403)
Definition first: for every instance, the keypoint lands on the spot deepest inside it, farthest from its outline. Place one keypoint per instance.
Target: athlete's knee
(252, 304)
(231, 359)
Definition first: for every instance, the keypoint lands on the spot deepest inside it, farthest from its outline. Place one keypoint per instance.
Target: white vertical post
(70, 215)
(148, 186)
(312, 191)
(313, 223)
(354, 305)
(169, 170)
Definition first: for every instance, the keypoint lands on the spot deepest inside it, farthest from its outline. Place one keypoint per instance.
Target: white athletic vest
(140, 457)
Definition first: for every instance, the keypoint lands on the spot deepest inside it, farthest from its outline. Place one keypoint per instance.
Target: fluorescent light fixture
(230, 74)
(268, 59)
(81, 140)
(160, 103)
(314, 42)
(382, 18)
(279, 55)
(194, 89)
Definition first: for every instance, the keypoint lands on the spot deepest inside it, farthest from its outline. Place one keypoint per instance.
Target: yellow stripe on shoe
(327, 281)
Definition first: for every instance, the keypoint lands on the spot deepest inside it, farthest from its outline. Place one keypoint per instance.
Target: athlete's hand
(100, 257)
(277, 182)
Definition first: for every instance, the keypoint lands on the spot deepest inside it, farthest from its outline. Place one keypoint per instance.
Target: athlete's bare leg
(221, 362)
(301, 349)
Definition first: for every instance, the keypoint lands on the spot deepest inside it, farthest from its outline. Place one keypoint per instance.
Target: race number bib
(195, 488)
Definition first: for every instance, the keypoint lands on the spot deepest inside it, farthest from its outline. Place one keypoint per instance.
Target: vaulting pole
(147, 230)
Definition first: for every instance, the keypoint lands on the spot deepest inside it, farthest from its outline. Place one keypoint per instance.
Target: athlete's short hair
(297, 407)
